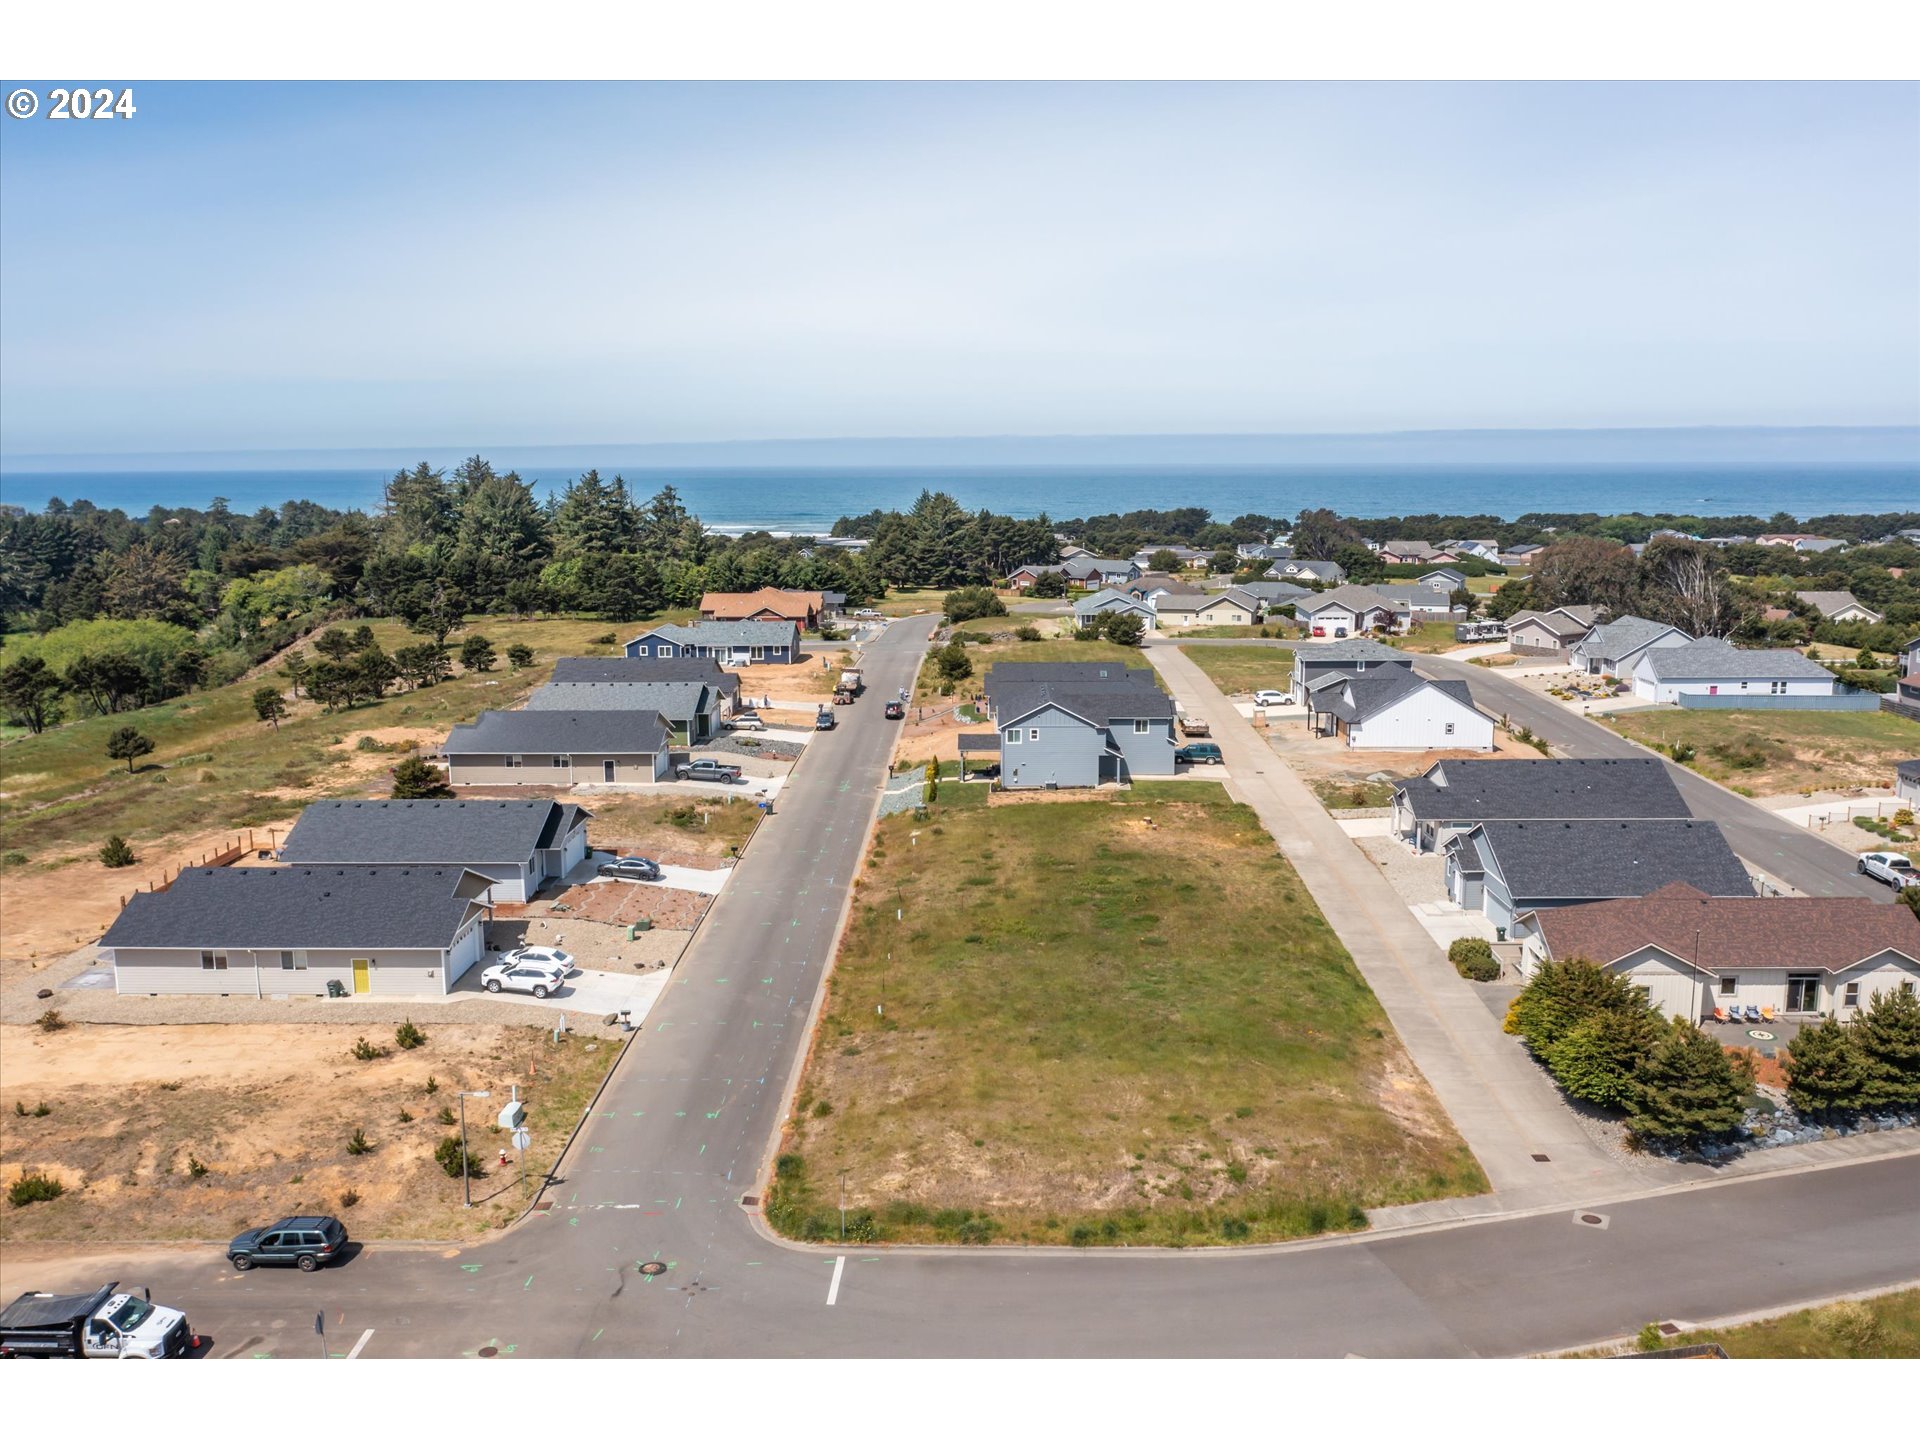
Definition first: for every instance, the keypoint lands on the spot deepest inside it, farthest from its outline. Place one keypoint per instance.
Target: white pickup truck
(107, 1324)
(1890, 866)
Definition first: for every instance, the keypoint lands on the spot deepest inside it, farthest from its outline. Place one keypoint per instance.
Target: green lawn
(1780, 752)
(1886, 1327)
(1242, 669)
(1429, 637)
(215, 765)
(1118, 1020)
(1006, 647)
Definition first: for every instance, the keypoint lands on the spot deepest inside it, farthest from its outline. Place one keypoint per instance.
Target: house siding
(630, 769)
(141, 971)
(1419, 721)
(1663, 692)
(1146, 755)
(1067, 752)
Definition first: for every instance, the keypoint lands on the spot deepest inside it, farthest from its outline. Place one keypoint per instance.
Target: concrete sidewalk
(1505, 1108)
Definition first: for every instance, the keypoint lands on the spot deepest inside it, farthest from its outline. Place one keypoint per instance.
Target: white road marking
(833, 1290)
(359, 1345)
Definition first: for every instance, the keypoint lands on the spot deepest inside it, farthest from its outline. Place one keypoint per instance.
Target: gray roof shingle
(641, 670)
(1545, 860)
(559, 732)
(725, 632)
(678, 700)
(298, 907)
(1713, 659)
(427, 832)
(1346, 652)
(1619, 638)
(1462, 791)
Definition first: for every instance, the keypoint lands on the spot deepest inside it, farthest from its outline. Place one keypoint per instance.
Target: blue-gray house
(1079, 723)
(731, 642)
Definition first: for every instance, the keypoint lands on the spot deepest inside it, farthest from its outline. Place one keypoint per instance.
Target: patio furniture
(1720, 1015)
(1753, 1014)
(1766, 1013)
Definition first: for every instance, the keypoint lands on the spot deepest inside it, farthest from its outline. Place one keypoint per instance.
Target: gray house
(1906, 782)
(256, 930)
(1503, 868)
(515, 844)
(1079, 723)
(1323, 570)
(1459, 794)
(558, 747)
(731, 642)
(692, 694)
(1092, 571)
(1355, 656)
(1550, 634)
(1272, 594)
(1090, 607)
(1616, 647)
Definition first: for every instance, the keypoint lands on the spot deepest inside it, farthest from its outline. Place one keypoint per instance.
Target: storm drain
(1587, 1217)
(654, 1267)
(1544, 1160)
(750, 1201)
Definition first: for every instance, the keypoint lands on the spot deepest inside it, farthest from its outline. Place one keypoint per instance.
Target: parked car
(747, 721)
(824, 720)
(630, 867)
(307, 1241)
(868, 614)
(1339, 632)
(708, 770)
(895, 710)
(1891, 866)
(1273, 697)
(1208, 754)
(1319, 632)
(556, 959)
(538, 978)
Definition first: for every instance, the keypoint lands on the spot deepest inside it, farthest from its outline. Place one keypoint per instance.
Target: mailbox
(513, 1116)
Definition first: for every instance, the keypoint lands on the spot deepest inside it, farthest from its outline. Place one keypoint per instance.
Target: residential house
(694, 710)
(1391, 708)
(802, 607)
(1090, 572)
(1523, 554)
(1187, 612)
(1488, 550)
(1550, 634)
(1840, 607)
(1185, 554)
(1252, 550)
(1412, 552)
(1905, 699)
(1148, 588)
(558, 747)
(731, 642)
(1272, 594)
(1419, 601)
(256, 930)
(1088, 609)
(1802, 544)
(1026, 575)
(1445, 580)
(517, 845)
(833, 604)
(1078, 723)
(1616, 647)
(1712, 667)
(1070, 551)
(1695, 953)
(1455, 795)
(1504, 868)
(1356, 656)
(1348, 610)
(1325, 571)
(1906, 783)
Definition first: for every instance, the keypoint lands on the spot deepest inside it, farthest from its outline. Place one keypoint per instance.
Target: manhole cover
(487, 1352)
(1589, 1218)
(1760, 1034)
(654, 1267)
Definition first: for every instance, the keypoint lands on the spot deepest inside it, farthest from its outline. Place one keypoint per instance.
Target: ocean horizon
(808, 499)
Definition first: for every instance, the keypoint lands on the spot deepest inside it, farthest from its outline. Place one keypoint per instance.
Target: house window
(1033, 733)
(1729, 984)
(559, 762)
(1012, 737)
(1906, 987)
(293, 959)
(1803, 992)
(213, 959)
(1140, 727)
(1779, 687)
(1851, 999)
(1449, 729)
(515, 762)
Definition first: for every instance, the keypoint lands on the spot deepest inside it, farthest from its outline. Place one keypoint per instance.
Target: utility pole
(843, 1207)
(466, 1160)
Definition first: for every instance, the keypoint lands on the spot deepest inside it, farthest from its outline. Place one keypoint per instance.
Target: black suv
(308, 1241)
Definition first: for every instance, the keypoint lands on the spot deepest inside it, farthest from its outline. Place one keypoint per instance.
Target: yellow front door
(362, 982)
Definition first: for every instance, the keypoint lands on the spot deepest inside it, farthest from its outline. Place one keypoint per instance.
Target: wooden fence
(227, 854)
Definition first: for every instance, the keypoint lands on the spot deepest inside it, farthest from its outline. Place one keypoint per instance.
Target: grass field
(910, 602)
(1780, 752)
(1005, 647)
(1103, 1021)
(1429, 637)
(1242, 669)
(1886, 1327)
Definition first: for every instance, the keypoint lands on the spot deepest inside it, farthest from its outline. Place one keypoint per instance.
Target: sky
(307, 266)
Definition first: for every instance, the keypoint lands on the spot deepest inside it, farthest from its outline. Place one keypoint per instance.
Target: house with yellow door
(395, 930)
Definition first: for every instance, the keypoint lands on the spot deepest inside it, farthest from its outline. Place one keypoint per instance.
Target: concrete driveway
(672, 877)
(597, 992)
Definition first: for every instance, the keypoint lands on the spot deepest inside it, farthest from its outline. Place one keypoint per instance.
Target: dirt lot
(1780, 752)
(269, 1110)
(699, 831)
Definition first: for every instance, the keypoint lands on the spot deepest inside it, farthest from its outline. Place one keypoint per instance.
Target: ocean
(807, 500)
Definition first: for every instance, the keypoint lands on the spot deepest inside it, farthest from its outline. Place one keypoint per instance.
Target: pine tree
(1600, 1058)
(1888, 1037)
(270, 705)
(128, 744)
(415, 779)
(1560, 995)
(1689, 1085)
(1825, 1070)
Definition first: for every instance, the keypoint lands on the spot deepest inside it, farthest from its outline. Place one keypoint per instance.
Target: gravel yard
(1417, 879)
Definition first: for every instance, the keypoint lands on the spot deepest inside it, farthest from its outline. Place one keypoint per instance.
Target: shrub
(41, 1110)
(32, 1187)
(1888, 1037)
(519, 656)
(1825, 1069)
(1027, 632)
(606, 639)
(822, 1110)
(1600, 1059)
(972, 602)
(454, 1158)
(196, 1168)
(1473, 958)
(476, 653)
(358, 1144)
(1683, 753)
(406, 1116)
(409, 1036)
(446, 1116)
(1688, 1086)
(951, 661)
(13, 857)
(789, 1167)
(418, 779)
(1560, 995)
(116, 854)
(1853, 1328)
(1234, 1228)
(349, 1199)
(363, 1049)
(51, 1021)
(433, 1086)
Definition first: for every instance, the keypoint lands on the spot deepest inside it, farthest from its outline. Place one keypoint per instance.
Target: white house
(1391, 708)
(1696, 954)
(1354, 609)
(1420, 601)
(1713, 667)
(1186, 612)
(1616, 647)
(1906, 783)
(1840, 606)
(287, 930)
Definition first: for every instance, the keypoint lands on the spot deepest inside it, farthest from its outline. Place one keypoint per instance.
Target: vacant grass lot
(698, 827)
(1779, 752)
(1429, 637)
(1886, 1327)
(1103, 1021)
(926, 689)
(1242, 669)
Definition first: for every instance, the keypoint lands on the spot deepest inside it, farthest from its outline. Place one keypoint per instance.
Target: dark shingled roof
(298, 907)
(1831, 933)
(1102, 704)
(1461, 791)
(1715, 659)
(1061, 672)
(979, 744)
(559, 732)
(1376, 690)
(428, 832)
(641, 669)
(1543, 860)
(1345, 652)
(1908, 769)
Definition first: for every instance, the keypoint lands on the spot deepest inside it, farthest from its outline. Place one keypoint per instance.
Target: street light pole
(466, 1160)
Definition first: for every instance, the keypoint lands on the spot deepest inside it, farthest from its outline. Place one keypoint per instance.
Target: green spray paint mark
(529, 1284)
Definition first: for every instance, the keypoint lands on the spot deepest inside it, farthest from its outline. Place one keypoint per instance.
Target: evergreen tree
(501, 539)
(1599, 1058)
(270, 705)
(30, 693)
(1689, 1086)
(1888, 1037)
(1560, 995)
(1825, 1070)
(1123, 628)
(593, 518)
(128, 744)
(417, 512)
(476, 653)
(415, 779)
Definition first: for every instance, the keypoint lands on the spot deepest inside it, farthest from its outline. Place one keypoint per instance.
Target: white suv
(1891, 866)
(536, 970)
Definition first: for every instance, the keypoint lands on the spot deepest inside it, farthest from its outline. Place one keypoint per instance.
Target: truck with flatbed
(851, 684)
(1192, 726)
(104, 1324)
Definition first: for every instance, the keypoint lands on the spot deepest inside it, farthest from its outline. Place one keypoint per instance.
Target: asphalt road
(685, 1127)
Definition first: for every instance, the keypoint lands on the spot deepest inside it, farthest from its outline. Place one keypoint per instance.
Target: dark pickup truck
(708, 770)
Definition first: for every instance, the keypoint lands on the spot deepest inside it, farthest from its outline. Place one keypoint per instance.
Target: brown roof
(1829, 933)
(798, 605)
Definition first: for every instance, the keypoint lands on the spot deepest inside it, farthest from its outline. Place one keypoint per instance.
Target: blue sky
(291, 266)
